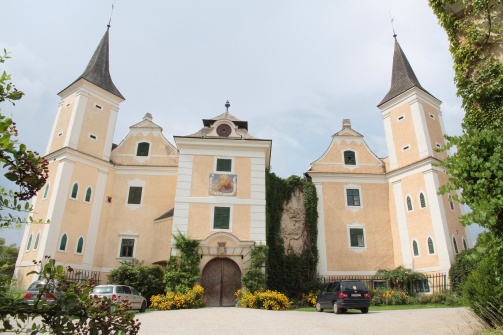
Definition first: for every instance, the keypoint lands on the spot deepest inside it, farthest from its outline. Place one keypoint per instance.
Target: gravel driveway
(243, 321)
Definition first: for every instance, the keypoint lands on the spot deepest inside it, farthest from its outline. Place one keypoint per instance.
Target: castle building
(109, 203)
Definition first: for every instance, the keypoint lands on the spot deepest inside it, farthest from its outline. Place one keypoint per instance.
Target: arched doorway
(221, 279)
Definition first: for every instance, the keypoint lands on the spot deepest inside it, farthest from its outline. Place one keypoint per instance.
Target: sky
(294, 69)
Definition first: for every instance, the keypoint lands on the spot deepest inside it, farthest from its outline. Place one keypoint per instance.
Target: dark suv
(343, 295)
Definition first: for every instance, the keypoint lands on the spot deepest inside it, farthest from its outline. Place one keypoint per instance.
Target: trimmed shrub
(191, 298)
(272, 300)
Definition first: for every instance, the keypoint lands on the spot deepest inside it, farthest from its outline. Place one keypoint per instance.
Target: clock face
(224, 130)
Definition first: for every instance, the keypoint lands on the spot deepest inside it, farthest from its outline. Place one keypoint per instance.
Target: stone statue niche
(293, 224)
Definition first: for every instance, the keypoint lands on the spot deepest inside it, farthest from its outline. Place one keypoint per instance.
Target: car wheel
(337, 309)
(318, 307)
(143, 307)
(365, 310)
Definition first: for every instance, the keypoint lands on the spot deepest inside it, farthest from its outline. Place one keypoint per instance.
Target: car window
(354, 285)
(119, 289)
(337, 287)
(103, 289)
(126, 289)
(35, 286)
(135, 292)
(330, 287)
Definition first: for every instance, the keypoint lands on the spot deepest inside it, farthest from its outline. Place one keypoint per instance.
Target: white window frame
(83, 245)
(127, 237)
(419, 199)
(428, 247)
(411, 203)
(418, 249)
(67, 242)
(85, 195)
(353, 187)
(71, 191)
(365, 242)
(232, 159)
(212, 220)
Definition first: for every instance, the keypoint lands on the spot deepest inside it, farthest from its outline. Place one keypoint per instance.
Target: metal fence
(434, 282)
(83, 275)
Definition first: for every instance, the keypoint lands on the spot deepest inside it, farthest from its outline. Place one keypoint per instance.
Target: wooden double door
(221, 279)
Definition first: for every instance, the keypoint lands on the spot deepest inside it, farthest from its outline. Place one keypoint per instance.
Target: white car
(119, 293)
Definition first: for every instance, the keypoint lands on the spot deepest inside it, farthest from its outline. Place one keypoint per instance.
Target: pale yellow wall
(434, 129)
(404, 134)
(201, 221)
(62, 123)
(154, 238)
(333, 160)
(203, 166)
(161, 152)
(375, 217)
(395, 233)
(95, 122)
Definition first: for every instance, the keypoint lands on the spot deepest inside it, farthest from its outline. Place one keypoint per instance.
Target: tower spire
(402, 77)
(97, 71)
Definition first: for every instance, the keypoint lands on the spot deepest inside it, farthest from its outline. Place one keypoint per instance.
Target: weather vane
(392, 26)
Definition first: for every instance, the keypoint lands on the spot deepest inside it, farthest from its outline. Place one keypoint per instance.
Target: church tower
(78, 152)
(425, 225)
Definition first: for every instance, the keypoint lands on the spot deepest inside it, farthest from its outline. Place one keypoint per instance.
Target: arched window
(349, 157)
(37, 239)
(451, 203)
(80, 245)
(62, 243)
(431, 248)
(28, 245)
(142, 149)
(75, 191)
(88, 195)
(456, 250)
(415, 248)
(464, 244)
(422, 200)
(46, 190)
(409, 203)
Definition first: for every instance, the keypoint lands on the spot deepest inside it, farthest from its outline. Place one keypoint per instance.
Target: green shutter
(75, 190)
(80, 245)
(224, 165)
(221, 217)
(142, 149)
(62, 245)
(134, 197)
(349, 158)
(88, 194)
(416, 249)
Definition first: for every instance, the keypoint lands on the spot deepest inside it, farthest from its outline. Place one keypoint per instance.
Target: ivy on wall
(291, 274)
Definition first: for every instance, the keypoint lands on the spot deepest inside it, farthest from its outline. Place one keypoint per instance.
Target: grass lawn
(387, 308)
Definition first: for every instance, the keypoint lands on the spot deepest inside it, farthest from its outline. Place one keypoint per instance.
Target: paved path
(244, 321)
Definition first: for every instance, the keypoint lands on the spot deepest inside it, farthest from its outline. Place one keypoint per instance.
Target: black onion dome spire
(97, 71)
(402, 77)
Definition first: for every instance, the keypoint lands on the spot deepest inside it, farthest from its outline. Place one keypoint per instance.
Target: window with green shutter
(142, 149)
(356, 237)
(353, 197)
(88, 195)
(224, 165)
(75, 191)
(415, 248)
(349, 158)
(431, 248)
(62, 243)
(127, 247)
(221, 217)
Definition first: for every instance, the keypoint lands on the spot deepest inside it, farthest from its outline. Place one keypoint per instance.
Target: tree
(255, 279)
(26, 168)
(8, 257)
(182, 272)
(401, 278)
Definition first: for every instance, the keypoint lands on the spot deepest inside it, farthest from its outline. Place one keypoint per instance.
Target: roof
(97, 71)
(241, 131)
(402, 77)
(167, 215)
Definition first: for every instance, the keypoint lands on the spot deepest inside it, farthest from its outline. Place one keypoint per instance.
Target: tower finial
(392, 26)
(111, 14)
(227, 105)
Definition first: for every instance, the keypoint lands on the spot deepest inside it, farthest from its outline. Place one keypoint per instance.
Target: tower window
(127, 247)
(134, 197)
(75, 191)
(415, 248)
(28, 245)
(349, 158)
(464, 244)
(409, 204)
(431, 248)
(400, 118)
(60, 134)
(62, 243)
(224, 165)
(143, 149)
(422, 200)
(451, 203)
(80, 245)
(432, 116)
(88, 195)
(46, 190)
(37, 239)
(455, 243)
(98, 107)
(356, 237)
(92, 137)
(407, 147)
(221, 217)
(353, 197)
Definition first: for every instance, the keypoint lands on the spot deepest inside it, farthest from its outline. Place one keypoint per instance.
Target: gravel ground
(243, 321)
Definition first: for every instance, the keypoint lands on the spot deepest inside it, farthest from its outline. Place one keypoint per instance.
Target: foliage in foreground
(401, 278)
(191, 298)
(399, 297)
(146, 279)
(182, 272)
(73, 312)
(255, 279)
(263, 300)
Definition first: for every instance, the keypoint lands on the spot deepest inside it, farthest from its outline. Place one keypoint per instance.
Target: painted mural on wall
(293, 224)
(223, 184)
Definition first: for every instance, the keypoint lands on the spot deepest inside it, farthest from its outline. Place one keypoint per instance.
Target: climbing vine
(292, 274)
